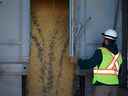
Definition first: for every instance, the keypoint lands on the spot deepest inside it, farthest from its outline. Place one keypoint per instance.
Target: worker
(106, 63)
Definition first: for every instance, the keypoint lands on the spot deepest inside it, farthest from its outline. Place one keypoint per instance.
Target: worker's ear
(72, 60)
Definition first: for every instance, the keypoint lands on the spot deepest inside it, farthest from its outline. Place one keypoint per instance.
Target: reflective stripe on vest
(112, 69)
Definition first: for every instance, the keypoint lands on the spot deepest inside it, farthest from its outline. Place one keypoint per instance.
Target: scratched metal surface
(50, 73)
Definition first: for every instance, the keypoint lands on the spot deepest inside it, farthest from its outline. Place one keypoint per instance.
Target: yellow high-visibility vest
(108, 70)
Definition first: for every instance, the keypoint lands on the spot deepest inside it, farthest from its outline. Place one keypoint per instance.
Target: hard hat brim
(108, 37)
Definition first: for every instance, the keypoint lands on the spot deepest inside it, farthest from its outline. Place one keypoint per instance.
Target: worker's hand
(72, 60)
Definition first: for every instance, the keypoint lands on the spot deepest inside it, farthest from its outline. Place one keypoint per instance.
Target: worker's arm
(92, 62)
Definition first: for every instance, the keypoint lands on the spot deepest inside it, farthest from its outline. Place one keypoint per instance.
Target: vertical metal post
(78, 80)
(125, 40)
(71, 35)
(116, 14)
(26, 27)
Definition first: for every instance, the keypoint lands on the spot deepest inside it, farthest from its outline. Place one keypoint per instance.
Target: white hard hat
(110, 34)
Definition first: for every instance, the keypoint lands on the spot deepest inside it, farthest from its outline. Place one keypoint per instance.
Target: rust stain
(50, 73)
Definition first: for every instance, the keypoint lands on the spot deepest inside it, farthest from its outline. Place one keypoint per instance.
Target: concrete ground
(123, 92)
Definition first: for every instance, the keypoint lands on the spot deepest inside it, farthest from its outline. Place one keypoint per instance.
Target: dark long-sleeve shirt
(92, 62)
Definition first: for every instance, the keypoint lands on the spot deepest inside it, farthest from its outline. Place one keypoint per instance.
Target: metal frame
(26, 27)
(74, 31)
(71, 29)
